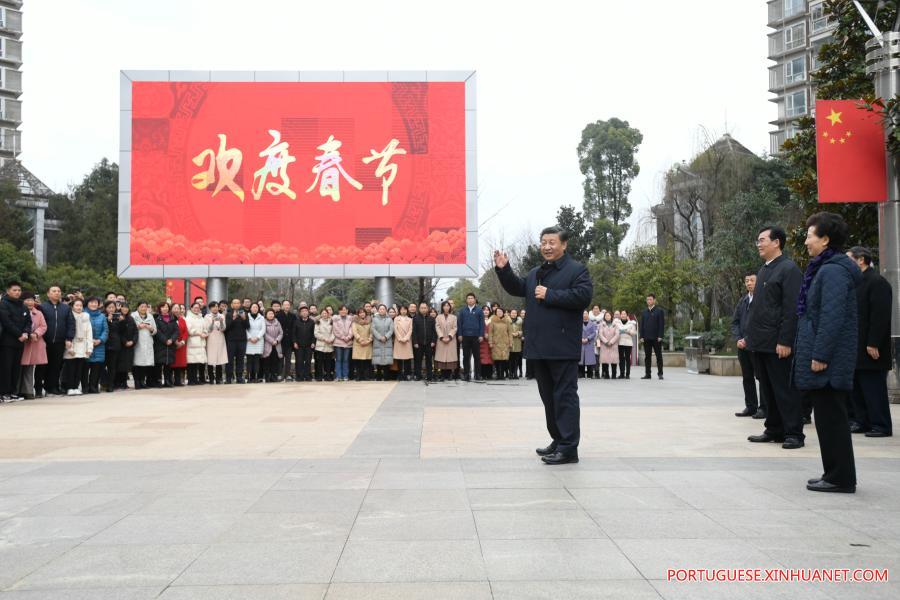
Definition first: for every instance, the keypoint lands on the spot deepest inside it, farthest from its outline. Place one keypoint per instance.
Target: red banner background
(174, 223)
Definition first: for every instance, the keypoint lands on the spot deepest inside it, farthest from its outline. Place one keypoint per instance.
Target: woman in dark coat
(165, 345)
(825, 349)
(116, 327)
(129, 336)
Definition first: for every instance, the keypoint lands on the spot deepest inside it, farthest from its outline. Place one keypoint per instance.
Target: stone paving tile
(521, 499)
(653, 557)
(879, 524)
(650, 524)
(627, 498)
(17, 561)
(187, 503)
(309, 500)
(15, 504)
(31, 483)
(263, 563)
(415, 500)
(229, 482)
(424, 561)
(569, 559)
(37, 530)
(87, 505)
(290, 527)
(799, 523)
(121, 593)
(324, 481)
(421, 525)
(296, 591)
(410, 591)
(574, 590)
(418, 480)
(113, 567)
(535, 524)
(165, 529)
(512, 479)
(335, 465)
(751, 591)
(603, 479)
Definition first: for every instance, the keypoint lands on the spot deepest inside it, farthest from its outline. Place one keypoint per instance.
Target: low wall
(727, 366)
(673, 359)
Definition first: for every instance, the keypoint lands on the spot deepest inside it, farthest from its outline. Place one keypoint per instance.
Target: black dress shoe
(823, 486)
(760, 414)
(792, 443)
(877, 434)
(558, 458)
(764, 438)
(646, 377)
(812, 481)
(660, 377)
(745, 413)
(546, 451)
(857, 428)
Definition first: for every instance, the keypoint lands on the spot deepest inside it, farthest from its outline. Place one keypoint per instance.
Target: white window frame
(821, 22)
(791, 76)
(795, 41)
(790, 8)
(790, 110)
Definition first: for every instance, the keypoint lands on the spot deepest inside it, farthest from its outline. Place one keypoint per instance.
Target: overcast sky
(669, 68)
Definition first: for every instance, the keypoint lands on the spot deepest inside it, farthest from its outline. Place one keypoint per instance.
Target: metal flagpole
(883, 64)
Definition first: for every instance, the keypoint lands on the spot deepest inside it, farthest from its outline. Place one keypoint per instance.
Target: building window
(795, 70)
(795, 104)
(793, 7)
(795, 36)
(819, 19)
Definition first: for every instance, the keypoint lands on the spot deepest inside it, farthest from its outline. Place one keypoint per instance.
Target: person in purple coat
(588, 362)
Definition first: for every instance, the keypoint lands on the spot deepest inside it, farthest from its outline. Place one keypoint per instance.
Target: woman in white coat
(78, 350)
(144, 359)
(216, 347)
(196, 344)
(627, 334)
(256, 332)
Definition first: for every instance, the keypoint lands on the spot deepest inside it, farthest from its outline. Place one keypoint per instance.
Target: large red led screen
(289, 173)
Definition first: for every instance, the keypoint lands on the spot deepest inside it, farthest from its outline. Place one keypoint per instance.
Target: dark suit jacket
(874, 299)
(739, 320)
(773, 312)
(553, 325)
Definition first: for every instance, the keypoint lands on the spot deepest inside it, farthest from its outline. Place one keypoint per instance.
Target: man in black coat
(303, 334)
(424, 339)
(235, 341)
(286, 317)
(871, 412)
(556, 295)
(15, 322)
(771, 331)
(58, 315)
(653, 328)
(754, 406)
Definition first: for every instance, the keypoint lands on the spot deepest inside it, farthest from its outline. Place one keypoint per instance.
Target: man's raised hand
(500, 259)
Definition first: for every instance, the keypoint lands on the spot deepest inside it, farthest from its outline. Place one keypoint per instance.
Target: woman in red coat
(180, 364)
(484, 349)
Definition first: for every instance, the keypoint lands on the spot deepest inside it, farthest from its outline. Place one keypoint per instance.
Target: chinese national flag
(850, 153)
(175, 289)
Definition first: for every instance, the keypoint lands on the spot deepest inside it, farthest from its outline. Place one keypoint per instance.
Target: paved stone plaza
(399, 491)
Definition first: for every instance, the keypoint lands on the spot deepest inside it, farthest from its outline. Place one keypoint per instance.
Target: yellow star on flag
(849, 133)
(843, 140)
(825, 134)
(833, 141)
(834, 117)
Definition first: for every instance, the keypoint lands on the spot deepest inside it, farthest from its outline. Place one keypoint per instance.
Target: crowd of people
(77, 345)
